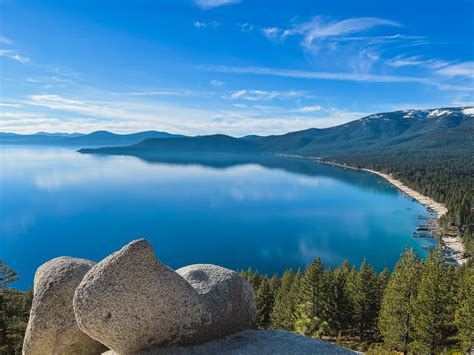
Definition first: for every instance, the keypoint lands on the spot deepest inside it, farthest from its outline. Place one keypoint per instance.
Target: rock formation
(133, 304)
(52, 328)
(228, 298)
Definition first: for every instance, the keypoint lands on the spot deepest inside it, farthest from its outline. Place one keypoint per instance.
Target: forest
(422, 307)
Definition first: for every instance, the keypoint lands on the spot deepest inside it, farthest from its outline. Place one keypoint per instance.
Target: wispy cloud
(212, 24)
(217, 83)
(465, 69)
(273, 33)
(404, 61)
(209, 4)
(306, 109)
(257, 95)
(319, 29)
(349, 76)
(13, 55)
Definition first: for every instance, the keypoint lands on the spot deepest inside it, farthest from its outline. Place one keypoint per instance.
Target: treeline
(447, 178)
(14, 312)
(422, 307)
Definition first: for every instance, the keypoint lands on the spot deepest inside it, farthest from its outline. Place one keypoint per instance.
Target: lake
(270, 214)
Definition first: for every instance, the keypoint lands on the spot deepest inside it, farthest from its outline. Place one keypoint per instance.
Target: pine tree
(275, 284)
(264, 301)
(464, 318)
(434, 305)
(306, 324)
(339, 302)
(396, 312)
(312, 288)
(282, 304)
(365, 300)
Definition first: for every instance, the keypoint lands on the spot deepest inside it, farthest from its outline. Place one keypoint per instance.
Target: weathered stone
(227, 296)
(254, 342)
(52, 327)
(130, 301)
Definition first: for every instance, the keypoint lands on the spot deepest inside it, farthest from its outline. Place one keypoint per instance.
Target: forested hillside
(423, 307)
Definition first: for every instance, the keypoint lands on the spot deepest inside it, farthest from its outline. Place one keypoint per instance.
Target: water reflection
(266, 212)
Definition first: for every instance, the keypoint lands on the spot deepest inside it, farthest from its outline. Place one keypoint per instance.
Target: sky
(228, 66)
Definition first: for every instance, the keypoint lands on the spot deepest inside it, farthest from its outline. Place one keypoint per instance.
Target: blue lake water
(55, 201)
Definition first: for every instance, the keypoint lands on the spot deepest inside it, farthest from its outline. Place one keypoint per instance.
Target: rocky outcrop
(131, 301)
(228, 298)
(254, 342)
(52, 328)
(133, 304)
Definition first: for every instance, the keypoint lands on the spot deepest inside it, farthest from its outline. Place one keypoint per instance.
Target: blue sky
(228, 66)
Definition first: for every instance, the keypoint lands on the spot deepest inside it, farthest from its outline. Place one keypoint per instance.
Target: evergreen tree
(275, 283)
(306, 324)
(312, 289)
(280, 313)
(395, 323)
(365, 300)
(434, 305)
(339, 302)
(264, 301)
(465, 309)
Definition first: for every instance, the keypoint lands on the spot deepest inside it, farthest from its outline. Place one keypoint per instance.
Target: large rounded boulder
(52, 327)
(130, 301)
(227, 296)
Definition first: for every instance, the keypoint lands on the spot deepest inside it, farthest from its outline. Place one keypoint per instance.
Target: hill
(94, 139)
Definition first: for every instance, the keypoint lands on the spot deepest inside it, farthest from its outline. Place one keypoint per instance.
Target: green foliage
(308, 324)
(281, 313)
(14, 312)
(398, 303)
(421, 307)
(434, 305)
(464, 316)
(264, 301)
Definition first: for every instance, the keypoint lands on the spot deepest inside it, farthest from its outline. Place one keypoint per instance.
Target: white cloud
(12, 55)
(309, 109)
(217, 83)
(256, 95)
(209, 4)
(403, 61)
(2, 104)
(319, 29)
(272, 33)
(212, 24)
(465, 69)
(348, 76)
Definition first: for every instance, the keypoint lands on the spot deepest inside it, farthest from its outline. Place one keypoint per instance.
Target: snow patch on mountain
(468, 111)
(439, 112)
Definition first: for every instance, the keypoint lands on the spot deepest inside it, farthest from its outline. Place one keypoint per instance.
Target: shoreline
(453, 246)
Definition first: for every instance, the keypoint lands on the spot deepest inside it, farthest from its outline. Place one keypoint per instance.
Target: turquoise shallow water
(271, 215)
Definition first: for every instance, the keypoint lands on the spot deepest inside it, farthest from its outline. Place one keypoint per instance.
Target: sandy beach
(453, 245)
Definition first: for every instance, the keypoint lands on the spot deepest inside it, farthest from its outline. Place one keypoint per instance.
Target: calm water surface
(55, 201)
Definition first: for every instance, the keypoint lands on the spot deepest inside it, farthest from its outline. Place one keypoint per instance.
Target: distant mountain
(217, 143)
(399, 130)
(94, 139)
(434, 129)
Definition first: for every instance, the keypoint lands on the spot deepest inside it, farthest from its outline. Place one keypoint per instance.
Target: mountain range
(94, 139)
(408, 130)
